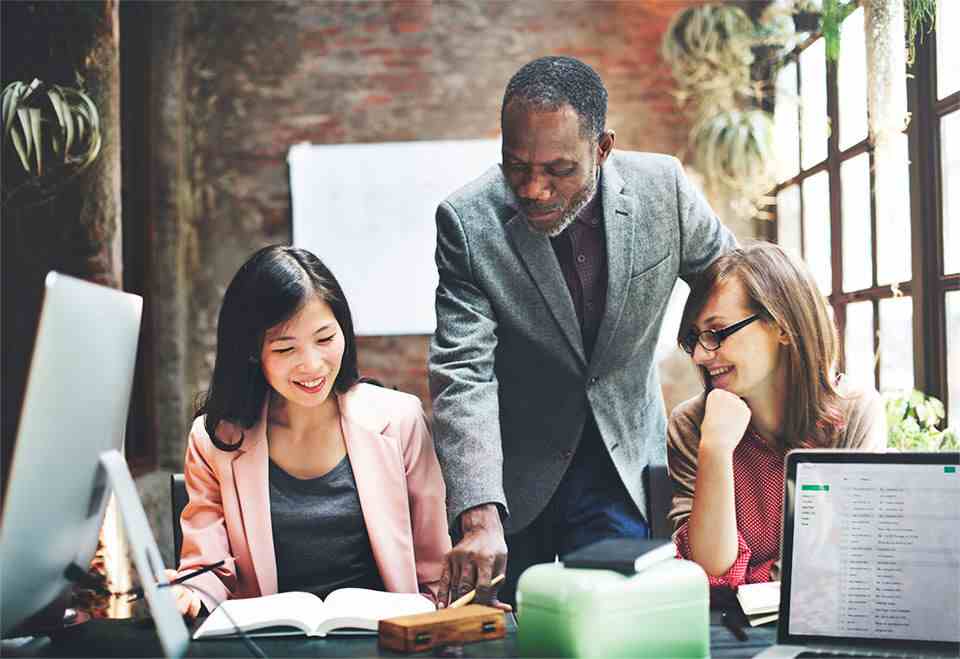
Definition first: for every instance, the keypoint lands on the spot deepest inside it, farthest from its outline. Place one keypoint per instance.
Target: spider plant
(52, 128)
(709, 50)
(733, 149)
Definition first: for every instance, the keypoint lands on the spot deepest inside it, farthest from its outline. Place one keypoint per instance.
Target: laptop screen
(873, 551)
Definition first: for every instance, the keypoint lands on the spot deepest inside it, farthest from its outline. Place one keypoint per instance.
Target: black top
(319, 535)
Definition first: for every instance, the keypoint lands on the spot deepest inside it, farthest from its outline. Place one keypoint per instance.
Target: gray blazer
(510, 382)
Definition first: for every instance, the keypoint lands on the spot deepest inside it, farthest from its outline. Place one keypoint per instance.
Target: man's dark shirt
(582, 253)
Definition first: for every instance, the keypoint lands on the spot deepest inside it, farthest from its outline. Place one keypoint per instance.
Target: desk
(128, 638)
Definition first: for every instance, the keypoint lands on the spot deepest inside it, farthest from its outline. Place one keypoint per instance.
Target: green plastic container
(663, 611)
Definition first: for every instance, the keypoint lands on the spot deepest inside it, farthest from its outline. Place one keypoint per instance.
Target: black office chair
(659, 489)
(178, 500)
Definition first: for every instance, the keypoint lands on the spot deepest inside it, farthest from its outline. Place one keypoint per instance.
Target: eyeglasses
(711, 339)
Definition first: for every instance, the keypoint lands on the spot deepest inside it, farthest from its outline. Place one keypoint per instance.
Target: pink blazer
(399, 485)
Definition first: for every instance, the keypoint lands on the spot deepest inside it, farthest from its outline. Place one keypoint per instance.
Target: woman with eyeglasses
(758, 329)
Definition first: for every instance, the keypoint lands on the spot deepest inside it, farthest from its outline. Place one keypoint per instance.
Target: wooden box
(423, 631)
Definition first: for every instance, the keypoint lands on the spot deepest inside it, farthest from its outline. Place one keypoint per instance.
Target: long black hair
(269, 289)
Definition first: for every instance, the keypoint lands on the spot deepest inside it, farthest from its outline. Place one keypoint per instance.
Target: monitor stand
(53, 618)
(173, 633)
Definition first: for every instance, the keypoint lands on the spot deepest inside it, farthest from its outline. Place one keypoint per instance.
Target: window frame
(832, 164)
(928, 285)
(926, 192)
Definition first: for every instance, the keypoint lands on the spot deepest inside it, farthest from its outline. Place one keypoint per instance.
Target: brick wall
(258, 77)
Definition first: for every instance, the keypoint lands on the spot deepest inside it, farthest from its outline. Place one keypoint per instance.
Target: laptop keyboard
(825, 652)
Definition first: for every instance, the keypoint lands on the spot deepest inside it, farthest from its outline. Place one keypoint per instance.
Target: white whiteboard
(367, 210)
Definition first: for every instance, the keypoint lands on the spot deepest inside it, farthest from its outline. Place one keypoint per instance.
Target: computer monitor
(74, 410)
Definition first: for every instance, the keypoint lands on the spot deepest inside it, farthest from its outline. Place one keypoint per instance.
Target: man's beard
(583, 198)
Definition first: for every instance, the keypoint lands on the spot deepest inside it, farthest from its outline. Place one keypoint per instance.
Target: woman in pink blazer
(300, 475)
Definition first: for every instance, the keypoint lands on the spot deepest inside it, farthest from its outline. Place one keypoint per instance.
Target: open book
(296, 613)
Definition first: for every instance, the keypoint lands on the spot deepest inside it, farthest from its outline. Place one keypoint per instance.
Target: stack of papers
(760, 602)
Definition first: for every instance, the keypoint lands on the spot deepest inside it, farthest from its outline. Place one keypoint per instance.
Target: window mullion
(836, 212)
(926, 203)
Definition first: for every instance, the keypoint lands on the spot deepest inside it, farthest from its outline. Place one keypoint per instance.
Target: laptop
(871, 555)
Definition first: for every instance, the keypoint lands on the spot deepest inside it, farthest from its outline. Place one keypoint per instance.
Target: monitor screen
(875, 551)
(75, 409)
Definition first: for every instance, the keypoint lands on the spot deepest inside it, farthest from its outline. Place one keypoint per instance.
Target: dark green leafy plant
(913, 421)
(50, 125)
(834, 11)
(921, 17)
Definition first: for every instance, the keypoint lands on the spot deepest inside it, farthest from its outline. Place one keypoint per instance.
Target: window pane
(813, 103)
(857, 235)
(788, 219)
(948, 49)
(896, 343)
(893, 213)
(816, 229)
(852, 80)
(953, 358)
(786, 123)
(858, 342)
(950, 166)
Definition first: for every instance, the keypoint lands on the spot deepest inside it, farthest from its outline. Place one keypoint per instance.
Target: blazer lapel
(620, 225)
(253, 492)
(541, 263)
(381, 487)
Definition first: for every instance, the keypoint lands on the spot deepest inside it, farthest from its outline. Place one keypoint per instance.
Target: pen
(195, 573)
(733, 626)
(466, 599)
(137, 593)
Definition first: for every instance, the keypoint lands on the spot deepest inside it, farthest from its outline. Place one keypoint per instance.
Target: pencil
(466, 599)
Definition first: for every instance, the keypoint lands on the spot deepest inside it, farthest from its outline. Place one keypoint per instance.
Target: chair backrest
(659, 489)
(178, 500)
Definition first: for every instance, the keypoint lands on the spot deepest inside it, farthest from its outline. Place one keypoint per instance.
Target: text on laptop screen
(876, 551)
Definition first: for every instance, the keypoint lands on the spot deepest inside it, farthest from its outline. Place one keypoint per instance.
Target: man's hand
(477, 559)
(724, 421)
(188, 602)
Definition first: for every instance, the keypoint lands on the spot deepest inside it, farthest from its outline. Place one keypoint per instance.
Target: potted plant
(709, 49)
(733, 149)
(913, 420)
(52, 130)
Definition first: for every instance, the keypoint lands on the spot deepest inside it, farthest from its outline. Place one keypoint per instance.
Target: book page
(302, 611)
(363, 609)
(759, 597)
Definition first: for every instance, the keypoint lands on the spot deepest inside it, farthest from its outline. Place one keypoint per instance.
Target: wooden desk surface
(129, 638)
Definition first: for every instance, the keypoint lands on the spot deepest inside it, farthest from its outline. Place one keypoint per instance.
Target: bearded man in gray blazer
(555, 271)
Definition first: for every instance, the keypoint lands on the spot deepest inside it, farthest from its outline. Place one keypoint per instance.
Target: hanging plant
(54, 130)
(834, 13)
(734, 151)
(709, 50)
(921, 18)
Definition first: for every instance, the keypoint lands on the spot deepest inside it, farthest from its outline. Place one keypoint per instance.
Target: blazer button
(566, 455)
(594, 380)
